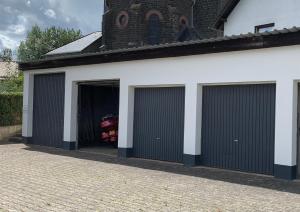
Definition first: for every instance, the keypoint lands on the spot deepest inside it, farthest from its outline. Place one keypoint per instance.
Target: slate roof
(228, 8)
(276, 38)
(78, 45)
(204, 41)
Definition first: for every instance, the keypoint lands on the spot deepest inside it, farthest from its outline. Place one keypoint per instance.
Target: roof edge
(225, 44)
(50, 54)
(229, 7)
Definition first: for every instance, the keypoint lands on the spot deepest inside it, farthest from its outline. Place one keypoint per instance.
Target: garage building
(203, 109)
(229, 102)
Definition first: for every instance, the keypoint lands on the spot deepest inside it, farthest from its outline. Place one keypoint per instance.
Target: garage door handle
(157, 139)
(236, 140)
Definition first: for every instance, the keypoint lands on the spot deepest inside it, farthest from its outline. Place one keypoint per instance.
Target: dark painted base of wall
(67, 145)
(125, 152)
(285, 172)
(191, 160)
(27, 140)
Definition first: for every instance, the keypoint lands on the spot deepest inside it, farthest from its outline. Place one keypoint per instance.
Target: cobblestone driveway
(39, 181)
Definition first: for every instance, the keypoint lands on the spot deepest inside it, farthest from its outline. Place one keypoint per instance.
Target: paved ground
(41, 179)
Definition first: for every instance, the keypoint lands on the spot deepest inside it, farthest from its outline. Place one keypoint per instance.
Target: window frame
(158, 15)
(118, 20)
(263, 26)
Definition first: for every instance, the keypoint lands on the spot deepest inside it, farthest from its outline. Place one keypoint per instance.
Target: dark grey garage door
(159, 123)
(48, 109)
(238, 127)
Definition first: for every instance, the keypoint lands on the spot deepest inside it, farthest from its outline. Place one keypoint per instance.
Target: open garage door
(48, 110)
(159, 123)
(98, 115)
(238, 127)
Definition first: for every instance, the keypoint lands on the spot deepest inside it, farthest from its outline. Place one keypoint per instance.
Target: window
(183, 21)
(264, 28)
(154, 28)
(184, 32)
(122, 20)
(154, 20)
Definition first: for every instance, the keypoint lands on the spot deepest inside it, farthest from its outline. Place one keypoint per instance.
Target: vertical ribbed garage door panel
(238, 127)
(48, 109)
(159, 123)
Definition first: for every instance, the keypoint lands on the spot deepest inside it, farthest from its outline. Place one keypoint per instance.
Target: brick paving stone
(40, 181)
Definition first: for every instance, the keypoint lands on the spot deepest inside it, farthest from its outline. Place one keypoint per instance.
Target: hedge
(11, 106)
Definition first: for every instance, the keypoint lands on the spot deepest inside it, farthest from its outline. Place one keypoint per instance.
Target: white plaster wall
(273, 65)
(27, 104)
(250, 13)
(193, 118)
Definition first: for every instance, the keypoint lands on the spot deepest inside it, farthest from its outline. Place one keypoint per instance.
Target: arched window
(154, 29)
(184, 31)
(122, 20)
(183, 21)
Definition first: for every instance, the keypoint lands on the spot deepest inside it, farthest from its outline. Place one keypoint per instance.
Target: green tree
(12, 84)
(39, 42)
(6, 55)
(14, 80)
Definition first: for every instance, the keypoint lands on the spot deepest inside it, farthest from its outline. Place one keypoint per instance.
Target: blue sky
(18, 16)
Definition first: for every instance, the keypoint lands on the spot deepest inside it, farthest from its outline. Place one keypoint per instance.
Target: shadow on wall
(247, 179)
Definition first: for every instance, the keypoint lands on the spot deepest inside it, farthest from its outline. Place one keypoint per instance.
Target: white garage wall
(279, 65)
(250, 13)
(27, 104)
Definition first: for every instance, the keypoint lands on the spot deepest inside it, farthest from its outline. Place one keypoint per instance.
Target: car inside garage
(159, 123)
(98, 111)
(238, 127)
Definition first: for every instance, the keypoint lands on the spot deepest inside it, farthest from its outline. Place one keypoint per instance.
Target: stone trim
(118, 20)
(154, 12)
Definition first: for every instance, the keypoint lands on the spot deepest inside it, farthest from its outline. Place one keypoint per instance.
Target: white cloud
(50, 13)
(22, 19)
(18, 16)
(8, 9)
(53, 3)
(7, 42)
(17, 29)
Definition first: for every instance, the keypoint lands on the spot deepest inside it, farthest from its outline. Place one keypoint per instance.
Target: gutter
(280, 38)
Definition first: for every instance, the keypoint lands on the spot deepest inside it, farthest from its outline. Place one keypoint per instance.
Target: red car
(109, 127)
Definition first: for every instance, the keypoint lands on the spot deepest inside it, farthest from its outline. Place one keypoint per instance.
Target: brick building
(131, 23)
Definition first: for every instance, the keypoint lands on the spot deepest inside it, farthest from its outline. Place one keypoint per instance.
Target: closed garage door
(159, 123)
(238, 127)
(48, 110)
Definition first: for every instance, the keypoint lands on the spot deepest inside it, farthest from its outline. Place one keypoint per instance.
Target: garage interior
(98, 112)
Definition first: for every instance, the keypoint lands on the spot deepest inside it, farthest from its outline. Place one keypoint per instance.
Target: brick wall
(136, 32)
(205, 14)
